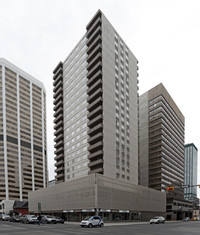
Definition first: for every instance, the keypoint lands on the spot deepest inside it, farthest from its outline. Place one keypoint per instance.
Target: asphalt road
(169, 228)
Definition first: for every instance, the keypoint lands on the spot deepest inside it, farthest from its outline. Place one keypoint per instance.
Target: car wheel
(82, 226)
(89, 225)
(101, 225)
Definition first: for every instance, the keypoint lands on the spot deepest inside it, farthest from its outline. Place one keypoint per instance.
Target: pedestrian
(40, 219)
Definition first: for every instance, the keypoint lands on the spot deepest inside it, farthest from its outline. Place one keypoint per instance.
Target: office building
(161, 149)
(96, 107)
(161, 131)
(23, 155)
(191, 163)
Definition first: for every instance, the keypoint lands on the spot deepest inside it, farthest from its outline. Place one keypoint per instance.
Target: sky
(164, 35)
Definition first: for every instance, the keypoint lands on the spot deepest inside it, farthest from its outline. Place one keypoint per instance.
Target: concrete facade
(96, 107)
(161, 141)
(98, 193)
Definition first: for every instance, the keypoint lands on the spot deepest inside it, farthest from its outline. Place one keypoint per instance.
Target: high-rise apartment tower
(161, 141)
(23, 155)
(96, 107)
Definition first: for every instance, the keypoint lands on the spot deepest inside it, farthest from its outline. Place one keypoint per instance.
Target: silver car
(30, 219)
(157, 220)
(4, 217)
(92, 222)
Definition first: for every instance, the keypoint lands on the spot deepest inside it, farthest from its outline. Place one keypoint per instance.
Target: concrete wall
(75, 194)
(109, 105)
(143, 140)
(97, 191)
(113, 194)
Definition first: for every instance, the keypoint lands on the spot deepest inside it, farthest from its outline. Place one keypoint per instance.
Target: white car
(157, 220)
(92, 222)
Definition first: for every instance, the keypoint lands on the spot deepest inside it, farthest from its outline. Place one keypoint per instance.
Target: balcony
(94, 24)
(95, 155)
(58, 131)
(98, 170)
(96, 129)
(94, 70)
(98, 102)
(95, 95)
(59, 97)
(89, 25)
(58, 105)
(59, 91)
(96, 53)
(58, 137)
(59, 157)
(58, 125)
(94, 44)
(94, 139)
(94, 82)
(98, 162)
(58, 112)
(94, 122)
(58, 85)
(96, 147)
(59, 144)
(59, 118)
(59, 151)
(94, 35)
(57, 79)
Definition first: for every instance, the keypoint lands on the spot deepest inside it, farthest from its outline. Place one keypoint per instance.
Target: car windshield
(87, 218)
(31, 216)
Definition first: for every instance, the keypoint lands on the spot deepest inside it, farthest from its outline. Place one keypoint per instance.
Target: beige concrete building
(96, 107)
(96, 133)
(161, 140)
(23, 155)
(112, 199)
(161, 148)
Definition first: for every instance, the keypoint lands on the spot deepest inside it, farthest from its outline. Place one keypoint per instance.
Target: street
(172, 228)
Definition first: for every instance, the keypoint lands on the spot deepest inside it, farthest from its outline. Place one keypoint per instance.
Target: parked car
(59, 220)
(195, 219)
(157, 220)
(48, 219)
(30, 219)
(186, 219)
(15, 218)
(92, 222)
(4, 217)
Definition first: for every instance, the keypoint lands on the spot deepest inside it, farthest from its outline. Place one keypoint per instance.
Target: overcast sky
(164, 35)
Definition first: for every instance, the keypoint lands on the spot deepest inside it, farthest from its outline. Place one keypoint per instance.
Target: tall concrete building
(96, 133)
(96, 107)
(161, 151)
(23, 155)
(191, 163)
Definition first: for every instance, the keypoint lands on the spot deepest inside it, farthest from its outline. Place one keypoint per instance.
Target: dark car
(15, 218)
(59, 220)
(30, 219)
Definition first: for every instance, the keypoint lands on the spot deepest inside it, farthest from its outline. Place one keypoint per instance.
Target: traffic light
(170, 188)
